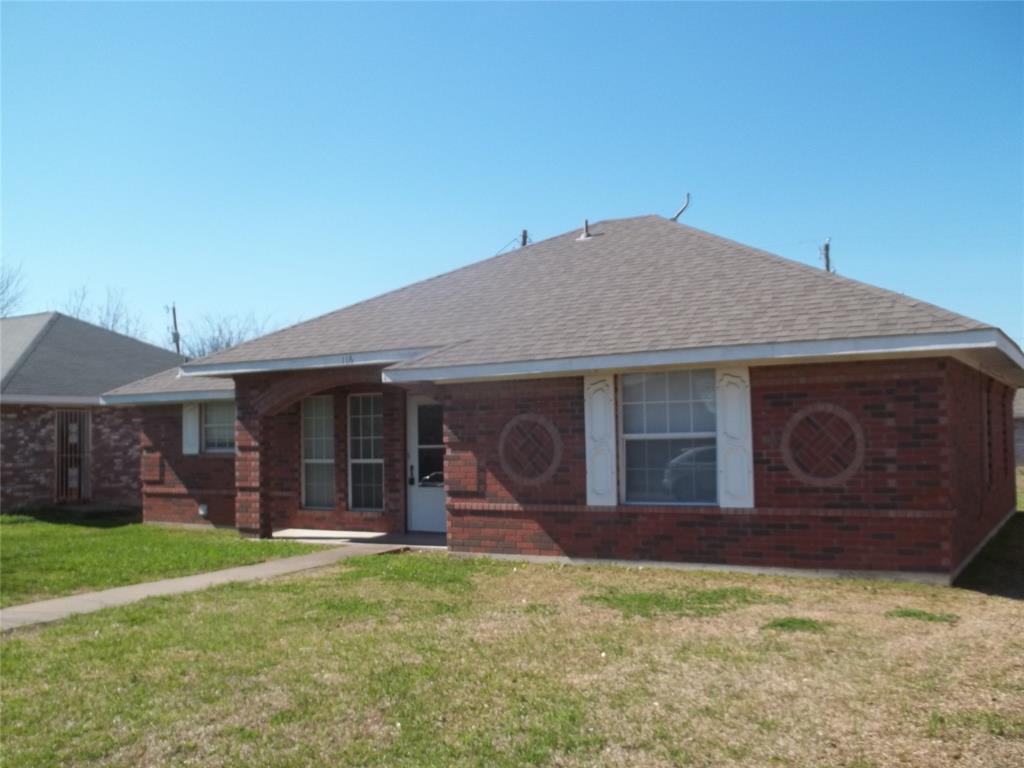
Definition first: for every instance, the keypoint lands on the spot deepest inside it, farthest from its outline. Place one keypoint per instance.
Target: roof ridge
(933, 309)
(31, 347)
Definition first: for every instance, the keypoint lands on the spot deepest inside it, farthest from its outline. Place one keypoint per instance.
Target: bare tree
(213, 333)
(12, 288)
(113, 314)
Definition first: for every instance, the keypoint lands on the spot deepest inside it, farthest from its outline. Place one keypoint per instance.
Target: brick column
(252, 510)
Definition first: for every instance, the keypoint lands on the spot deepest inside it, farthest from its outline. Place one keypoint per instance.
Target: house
(640, 389)
(58, 443)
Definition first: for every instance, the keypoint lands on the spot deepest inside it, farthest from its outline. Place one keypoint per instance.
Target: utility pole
(175, 336)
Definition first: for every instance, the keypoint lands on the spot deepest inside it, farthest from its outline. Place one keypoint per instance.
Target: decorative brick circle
(823, 445)
(530, 449)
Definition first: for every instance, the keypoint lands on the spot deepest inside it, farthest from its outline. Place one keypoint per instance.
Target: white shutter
(599, 421)
(190, 429)
(735, 438)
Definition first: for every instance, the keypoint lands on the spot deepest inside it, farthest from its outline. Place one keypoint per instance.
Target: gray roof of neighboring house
(636, 285)
(50, 355)
(171, 386)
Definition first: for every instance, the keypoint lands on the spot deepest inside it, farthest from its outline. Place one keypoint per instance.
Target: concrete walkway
(62, 607)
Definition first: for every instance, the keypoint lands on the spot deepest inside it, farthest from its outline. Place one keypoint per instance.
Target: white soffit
(974, 347)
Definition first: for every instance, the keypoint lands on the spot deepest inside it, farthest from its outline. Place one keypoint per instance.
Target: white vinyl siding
(218, 427)
(669, 437)
(318, 452)
(366, 451)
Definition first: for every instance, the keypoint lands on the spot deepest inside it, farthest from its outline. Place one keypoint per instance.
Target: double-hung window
(318, 452)
(366, 451)
(218, 426)
(669, 437)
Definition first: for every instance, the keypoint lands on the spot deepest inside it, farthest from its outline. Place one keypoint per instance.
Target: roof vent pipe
(586, 230)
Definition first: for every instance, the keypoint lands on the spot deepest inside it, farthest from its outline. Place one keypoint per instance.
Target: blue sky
(289, 159)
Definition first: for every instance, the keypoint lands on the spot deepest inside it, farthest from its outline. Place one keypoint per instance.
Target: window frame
(621, 438)
(333, 461)
(203, 447)
(351, 461)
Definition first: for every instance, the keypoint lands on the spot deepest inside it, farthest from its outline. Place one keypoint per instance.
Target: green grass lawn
(52, 553)
(433, 660)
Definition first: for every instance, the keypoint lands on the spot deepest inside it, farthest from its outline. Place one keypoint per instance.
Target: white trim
(191, 420)
(599, 426)
(50, 400)
(735, 440)
(385, 357)
(163, 398)
(926, 343)
(351, 461)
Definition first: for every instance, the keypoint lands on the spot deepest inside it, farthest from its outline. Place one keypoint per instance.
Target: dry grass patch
(433, 660)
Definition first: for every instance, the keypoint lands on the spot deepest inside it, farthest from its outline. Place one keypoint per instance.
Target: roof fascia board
(385, 357)
(50, 400)
(918, 344)
(163, 398)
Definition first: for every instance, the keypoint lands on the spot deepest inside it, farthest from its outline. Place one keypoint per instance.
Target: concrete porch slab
(432, 541)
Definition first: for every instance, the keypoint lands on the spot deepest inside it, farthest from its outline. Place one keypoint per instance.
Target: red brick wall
(897, 511)
(174, 485)
(115, 436)
(981, 418)
(901, 408)
(269, 433)
(475, 415)
(27, 442)
(28, 448)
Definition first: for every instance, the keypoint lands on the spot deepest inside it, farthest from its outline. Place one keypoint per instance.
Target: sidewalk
(62, 607)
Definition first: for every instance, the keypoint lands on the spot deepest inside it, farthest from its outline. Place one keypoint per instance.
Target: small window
(318, 452)
(366, 451)
(669, 433)
(218, 430)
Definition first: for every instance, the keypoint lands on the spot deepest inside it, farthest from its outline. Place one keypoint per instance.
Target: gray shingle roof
(171, 382)
(637, 285)
(53, 355)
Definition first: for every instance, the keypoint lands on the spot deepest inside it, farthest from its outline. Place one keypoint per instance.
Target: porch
(336, 454)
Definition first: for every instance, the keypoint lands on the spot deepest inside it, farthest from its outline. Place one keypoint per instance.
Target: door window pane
(429, 424)
(431, 466)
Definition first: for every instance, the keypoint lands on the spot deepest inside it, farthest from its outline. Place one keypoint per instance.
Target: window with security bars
(366, 451)
(669, 436)
(218, 422)
(318, 452)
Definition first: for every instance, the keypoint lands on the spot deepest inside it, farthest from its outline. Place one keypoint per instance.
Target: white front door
(426, 465)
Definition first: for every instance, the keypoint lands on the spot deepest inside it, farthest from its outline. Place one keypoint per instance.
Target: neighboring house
(1018, 426)
(643, 390)
(58, 443)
